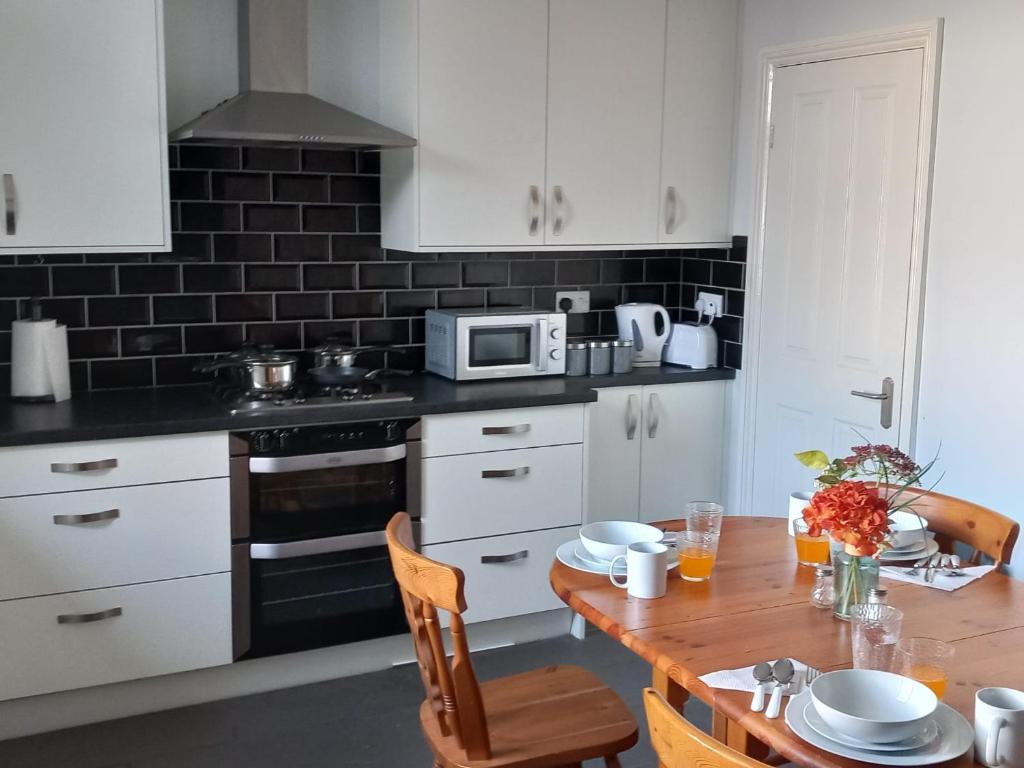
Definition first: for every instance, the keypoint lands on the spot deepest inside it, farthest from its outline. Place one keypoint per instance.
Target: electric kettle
(636, 323)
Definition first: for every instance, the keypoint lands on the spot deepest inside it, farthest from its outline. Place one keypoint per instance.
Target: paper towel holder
(39, 358)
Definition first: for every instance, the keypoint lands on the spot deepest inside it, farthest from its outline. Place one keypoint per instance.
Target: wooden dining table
(756, 608)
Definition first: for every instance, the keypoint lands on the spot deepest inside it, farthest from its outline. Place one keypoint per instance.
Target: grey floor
(369, 721)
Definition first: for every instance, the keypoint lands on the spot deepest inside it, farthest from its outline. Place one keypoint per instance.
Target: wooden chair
(985, 531)
(554, 717)
(680, 744)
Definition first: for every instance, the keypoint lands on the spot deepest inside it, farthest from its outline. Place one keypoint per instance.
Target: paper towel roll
(39, 360)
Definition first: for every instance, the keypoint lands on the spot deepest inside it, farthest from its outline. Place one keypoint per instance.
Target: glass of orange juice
(925, 660)
(810, 550)
(697, 551)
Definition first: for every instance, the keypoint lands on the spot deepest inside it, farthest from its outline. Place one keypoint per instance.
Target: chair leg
(612, 761)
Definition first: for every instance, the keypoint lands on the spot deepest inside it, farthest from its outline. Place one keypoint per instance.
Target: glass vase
(852, 577)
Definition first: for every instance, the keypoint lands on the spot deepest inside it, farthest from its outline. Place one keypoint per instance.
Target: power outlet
(572, 302)
(710, 304)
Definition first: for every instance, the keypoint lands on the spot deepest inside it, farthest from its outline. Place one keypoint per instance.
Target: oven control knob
(556, 333)
(261, 441)
(556, 354)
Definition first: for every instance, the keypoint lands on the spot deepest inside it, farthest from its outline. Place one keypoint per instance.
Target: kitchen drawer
(159, 532)
(58, 467)
(464, 497)
(515, 585)
(163, 627)
(456, 433)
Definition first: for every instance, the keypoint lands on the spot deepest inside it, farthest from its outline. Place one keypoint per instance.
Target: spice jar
(576, 359)
(622, 356)
(822, 593)
(878, 596)
(600, 358)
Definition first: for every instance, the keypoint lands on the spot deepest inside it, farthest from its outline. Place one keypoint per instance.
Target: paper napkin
(942, 581)
(743, 679)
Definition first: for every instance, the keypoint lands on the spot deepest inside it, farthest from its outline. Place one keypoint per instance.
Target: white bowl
(873, 706)
(609, 539)
(905, 530)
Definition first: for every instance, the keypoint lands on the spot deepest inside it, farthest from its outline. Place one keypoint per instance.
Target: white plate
(955, 737)
(566, 554)
(919, 554)
(927, 736)
(913, 547)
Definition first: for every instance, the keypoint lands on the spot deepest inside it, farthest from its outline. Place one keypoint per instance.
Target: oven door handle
(268, 465)
(283, 550)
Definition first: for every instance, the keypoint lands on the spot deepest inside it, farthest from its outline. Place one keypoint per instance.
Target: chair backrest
(680, 744)
(452, 689)
(984, 530)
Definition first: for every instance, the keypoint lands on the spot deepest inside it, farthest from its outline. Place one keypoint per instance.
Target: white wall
(972, 365)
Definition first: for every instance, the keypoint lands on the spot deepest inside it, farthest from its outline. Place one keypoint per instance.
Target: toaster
(693, 345)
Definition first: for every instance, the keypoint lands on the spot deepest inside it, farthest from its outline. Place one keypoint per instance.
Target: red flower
(853, 513)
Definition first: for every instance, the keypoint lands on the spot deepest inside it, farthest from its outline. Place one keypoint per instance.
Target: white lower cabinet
(505, 575)
(651, 449)
(78, 639)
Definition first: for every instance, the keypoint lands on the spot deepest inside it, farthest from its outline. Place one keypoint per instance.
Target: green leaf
(813, 459)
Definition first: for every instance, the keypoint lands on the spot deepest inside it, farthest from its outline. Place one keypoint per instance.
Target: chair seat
(546, 717)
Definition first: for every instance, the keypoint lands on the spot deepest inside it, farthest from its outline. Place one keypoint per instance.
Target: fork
(809, 674)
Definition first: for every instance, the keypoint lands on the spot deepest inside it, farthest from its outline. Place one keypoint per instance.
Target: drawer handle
(487, 474)
(88, 618)
(489, 559)
(92, 517)
(83, 466)
(515, 429)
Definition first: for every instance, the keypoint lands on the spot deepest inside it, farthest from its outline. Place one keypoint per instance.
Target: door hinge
(771, 136)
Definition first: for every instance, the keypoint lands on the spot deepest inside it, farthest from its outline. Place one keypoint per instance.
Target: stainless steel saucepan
(261, 370)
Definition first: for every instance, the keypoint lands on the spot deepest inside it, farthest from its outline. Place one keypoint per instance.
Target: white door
(614, 435)
(483, 93)
(696, 153)
(837, 255)
(681, 456)
(605, 77)
(83, 143)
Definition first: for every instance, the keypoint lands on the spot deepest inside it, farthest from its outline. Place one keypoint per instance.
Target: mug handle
(611, 572)
(992, 743)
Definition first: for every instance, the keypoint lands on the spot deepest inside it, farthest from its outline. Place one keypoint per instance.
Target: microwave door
(489, 349)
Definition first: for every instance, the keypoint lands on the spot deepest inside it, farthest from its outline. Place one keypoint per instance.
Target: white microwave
(471, 344)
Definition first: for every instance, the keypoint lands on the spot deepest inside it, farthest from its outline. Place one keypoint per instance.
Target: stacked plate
(599, 543)
(879, 718)
(911, 539)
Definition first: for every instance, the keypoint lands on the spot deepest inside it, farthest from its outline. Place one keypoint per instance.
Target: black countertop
(175, 410)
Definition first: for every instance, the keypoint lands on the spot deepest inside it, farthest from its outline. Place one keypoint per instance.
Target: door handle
(83, 466)
(534, 210)
(488, 474)
(521, 555)
(10, 205)
(632, 416)
(558, 199)
(91, 517)
(885, 398)
(88, 618)
(671, 210)
(653, 418)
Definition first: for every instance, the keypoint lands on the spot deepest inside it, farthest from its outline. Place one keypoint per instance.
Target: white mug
(999, 727)
(646, 570)
(798, 501)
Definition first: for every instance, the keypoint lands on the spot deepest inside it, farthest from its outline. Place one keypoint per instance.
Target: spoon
(763, 674)
(783, 672)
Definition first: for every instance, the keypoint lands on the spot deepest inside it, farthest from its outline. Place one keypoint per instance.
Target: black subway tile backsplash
(282, 246)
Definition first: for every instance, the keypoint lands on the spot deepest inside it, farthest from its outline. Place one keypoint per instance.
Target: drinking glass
(876, 631)
(810, 550)
(704, 516)
(925, 660)
(697, 551)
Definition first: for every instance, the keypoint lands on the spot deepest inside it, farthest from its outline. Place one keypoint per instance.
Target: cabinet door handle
(10, 205)
(653, 417)
(632, 416)
(88, 618)
(91, 517)
(671, 210)
(487, 474)
(559, 205)
(83, 466)
(534, 210)
(515, 429)
(521, 555)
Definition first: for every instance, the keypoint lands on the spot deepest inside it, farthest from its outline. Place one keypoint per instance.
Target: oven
(310, 504)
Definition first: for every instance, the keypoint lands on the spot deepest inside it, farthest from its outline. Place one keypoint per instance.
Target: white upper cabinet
(554, 124)
(83, 139)
(696, 149)
(483, 84)
(606, 64)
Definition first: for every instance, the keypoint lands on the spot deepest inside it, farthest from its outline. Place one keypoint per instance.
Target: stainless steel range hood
(274, 106)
